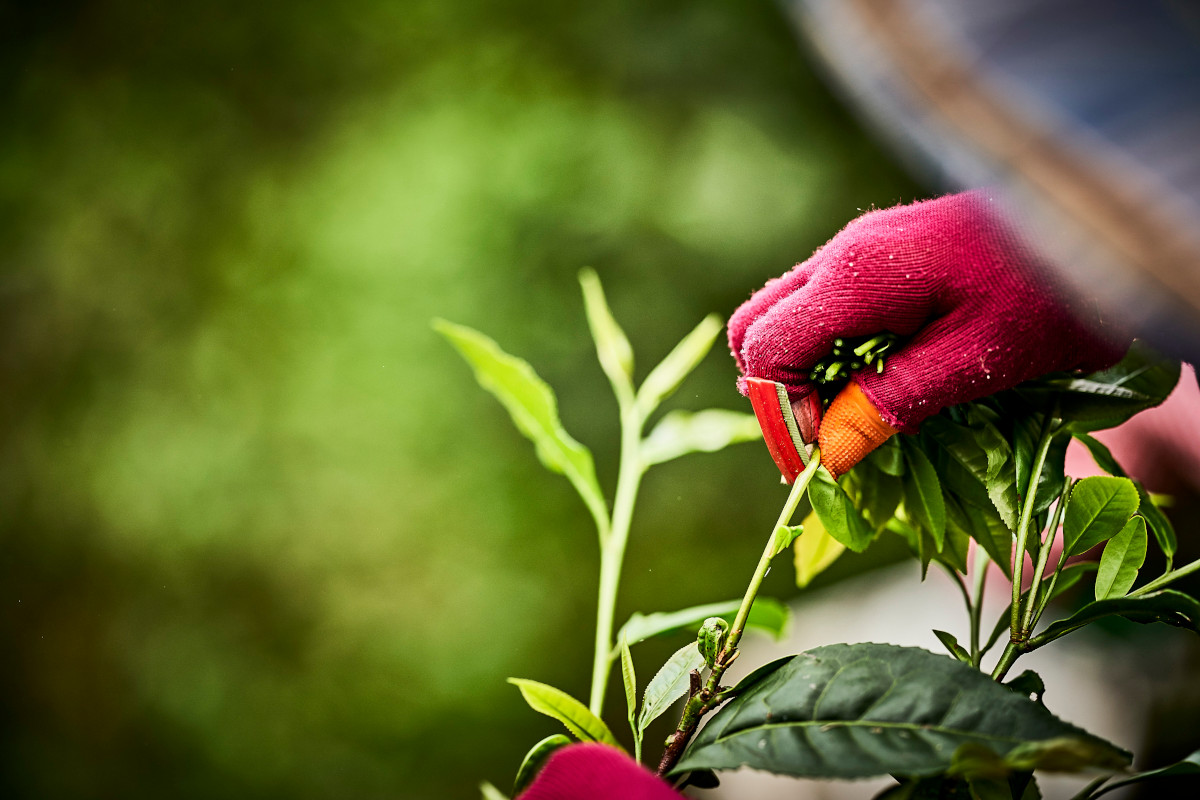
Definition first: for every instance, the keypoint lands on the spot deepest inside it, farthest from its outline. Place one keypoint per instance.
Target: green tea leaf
(534, 410)
(537, 756)
(888, 457)
(1099, 508)
(612, 346)
(1028, 684)
(985, 527)
(1101, 455)
(1026, 433)
(1188, 766)
(767, 614)
(1156, 520)
(837, 513)
(1169, 606)
(856, 711)
(556, 703)
(815, 550)
(1123, 557)
(923, 494)
(953, 646)
(1069, 577)
(985, 455)
(1142, 379)
(490, 792)
(683, 432)
(629, 679)
(879, 494)
(669, 684)
(783, 537)
(666, 377)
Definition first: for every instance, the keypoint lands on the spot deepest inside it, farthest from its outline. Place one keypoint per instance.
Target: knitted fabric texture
(596, 772)
(980, 308)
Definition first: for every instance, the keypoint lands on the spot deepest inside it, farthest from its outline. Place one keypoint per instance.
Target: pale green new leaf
(1123, 557)
(669, 684)
(666, 377)
(612, 346)
(815, 550)
(556, 703)
(629, 679)
(766, 614)
(534, 409)
(1098, 509)
(683, 432)
(783, 537)
(490, 792)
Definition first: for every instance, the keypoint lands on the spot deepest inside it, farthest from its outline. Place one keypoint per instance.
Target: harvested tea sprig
(850, 355)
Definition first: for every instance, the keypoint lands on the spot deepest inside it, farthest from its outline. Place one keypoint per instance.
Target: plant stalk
(1170, 577)
(976, 609)
(612, 549)
(712, 695)
(1018, 567)
(1033, 608)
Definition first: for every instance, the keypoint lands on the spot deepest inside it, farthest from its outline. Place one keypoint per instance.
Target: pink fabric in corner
(596, 772)
(947, 272)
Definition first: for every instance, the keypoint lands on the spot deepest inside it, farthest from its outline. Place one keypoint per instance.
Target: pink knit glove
(596, 772)
(948, 273)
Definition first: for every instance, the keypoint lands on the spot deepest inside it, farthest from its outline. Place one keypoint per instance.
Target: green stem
(1018, 567)
(612, 549)
(1010, 654)
(981, 566)
(1031, 611)
(711, 696)
(1170, 577)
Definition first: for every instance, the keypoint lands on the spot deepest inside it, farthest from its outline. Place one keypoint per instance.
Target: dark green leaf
(1148, 376)
(612, 346)
(837, 513)
(1101, 455)
(683, 432)
(953, 646)
(766, 614)
(556, 703)
(1026, 433)
(701, 779)
(854, 711)
(888, 458)
(1028, 684)
(1167, 605)
(985, 454)
(533, 408)
(531, 765)
(985, 527)
(669, 684)
(1188, 766)
(666, 377)
(923, 493)
(878, 496)
(1123, 557)
(1098, 509)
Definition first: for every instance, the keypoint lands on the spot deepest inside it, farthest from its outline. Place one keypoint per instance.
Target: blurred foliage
(262, 535)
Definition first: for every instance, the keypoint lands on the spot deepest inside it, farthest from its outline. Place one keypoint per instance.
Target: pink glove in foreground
(947, 272)
(596, 772)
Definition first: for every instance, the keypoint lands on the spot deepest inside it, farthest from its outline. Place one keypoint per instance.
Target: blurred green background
(262, 534)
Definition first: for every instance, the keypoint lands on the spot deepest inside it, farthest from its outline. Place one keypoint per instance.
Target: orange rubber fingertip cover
(851, 428)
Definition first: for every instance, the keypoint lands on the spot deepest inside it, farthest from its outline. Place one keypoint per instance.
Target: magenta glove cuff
(596, 772)
(982, 312)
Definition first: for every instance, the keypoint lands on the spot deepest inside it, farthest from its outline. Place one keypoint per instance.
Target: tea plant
(991, 471)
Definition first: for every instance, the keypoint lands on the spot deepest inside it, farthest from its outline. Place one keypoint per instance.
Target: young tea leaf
(612, 346)
(1123, 557)
(666, 377)
(953, 646)
(856, 711)
(669, 684)
(537, 756)
(534, 409)
(837, 513)
(815, 550)
(683, 432)
(767, 614)
(1099, 508)
(923, 494)
(490, 792)
(629, 679)
(556, 703)
(783, 537)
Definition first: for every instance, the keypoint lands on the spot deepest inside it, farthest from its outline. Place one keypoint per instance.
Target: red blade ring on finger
(785, 438)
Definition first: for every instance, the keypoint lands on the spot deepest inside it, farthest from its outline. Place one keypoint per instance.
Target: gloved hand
(980, 309)
(596, 772)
